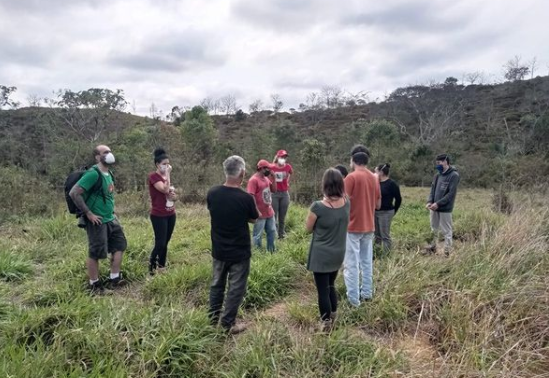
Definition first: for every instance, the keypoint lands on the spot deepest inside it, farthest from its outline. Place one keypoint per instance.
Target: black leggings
(327, 297)
(163, 229)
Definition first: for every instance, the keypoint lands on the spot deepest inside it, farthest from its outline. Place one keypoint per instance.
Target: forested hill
(495, 133)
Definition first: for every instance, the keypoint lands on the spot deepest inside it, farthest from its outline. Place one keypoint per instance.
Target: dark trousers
(163, 229)
(237, 275)
(281, 203)
(327, 297)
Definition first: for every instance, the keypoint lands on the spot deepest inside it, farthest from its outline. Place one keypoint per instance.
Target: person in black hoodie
(390, 203)
(441, 200)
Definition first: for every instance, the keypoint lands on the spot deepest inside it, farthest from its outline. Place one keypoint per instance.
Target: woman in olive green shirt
(328, 220)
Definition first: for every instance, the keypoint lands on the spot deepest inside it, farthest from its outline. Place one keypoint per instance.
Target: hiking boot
(333, 316)
(118, 282)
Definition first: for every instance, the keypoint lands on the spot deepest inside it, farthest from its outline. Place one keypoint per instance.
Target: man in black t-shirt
(231, 209)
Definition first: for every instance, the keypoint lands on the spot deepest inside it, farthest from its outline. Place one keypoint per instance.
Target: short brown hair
(332, 183)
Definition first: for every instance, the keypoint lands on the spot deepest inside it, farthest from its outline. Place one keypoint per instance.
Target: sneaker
(236, 329)
(430, 249)
(97, 288)
(118, 282)
(326, 326)
(354, 304)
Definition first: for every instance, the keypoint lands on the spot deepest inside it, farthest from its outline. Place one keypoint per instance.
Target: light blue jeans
(358, 259)
(270, 228)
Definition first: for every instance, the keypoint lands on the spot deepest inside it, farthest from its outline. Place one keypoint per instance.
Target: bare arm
(257, 214)
(76, 195)
(310, 222)
(163, 187)
(272, 181)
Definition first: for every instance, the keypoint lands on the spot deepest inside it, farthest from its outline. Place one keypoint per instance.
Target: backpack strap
(99, 183)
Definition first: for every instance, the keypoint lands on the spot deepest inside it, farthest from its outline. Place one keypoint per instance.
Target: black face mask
(267, 172)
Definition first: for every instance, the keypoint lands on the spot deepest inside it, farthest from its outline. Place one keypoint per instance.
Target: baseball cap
(281, 153)
(263, 164)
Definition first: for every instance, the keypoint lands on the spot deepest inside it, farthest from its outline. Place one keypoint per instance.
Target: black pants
(237, 274)
(163, 229)
(327, 297)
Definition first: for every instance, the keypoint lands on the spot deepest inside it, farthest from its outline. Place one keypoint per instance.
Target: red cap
(281, 153)
(264, 164)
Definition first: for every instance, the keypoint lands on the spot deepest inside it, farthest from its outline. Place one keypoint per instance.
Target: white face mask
(163, 168)
(281, 161)
(109, 158)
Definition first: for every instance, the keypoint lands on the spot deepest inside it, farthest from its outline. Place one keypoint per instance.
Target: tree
(514, 70)
(153, 111)
(210, 105)
(199, 134)
(331, 95)
(277, 102)
(86, 112)
(285, 135)
(312, 156)
(5, 100)
(239, 116)
(228, 104)
(256, 106)
(450, 81)
(476, 77)
(34, 100)
(381, 137)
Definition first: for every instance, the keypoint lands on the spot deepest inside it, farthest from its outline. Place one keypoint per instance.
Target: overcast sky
(176, 52)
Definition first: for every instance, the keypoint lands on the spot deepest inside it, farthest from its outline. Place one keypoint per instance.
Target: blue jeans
(358, 258)
(270, 228)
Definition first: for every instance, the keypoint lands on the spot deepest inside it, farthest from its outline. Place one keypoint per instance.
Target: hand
(94, 219)
(172, 196)
(169, 169)
(434, 207)
(428, 206)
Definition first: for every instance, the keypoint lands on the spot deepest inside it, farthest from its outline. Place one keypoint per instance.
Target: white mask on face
(281, 161)
(163, 168)
(109, 158)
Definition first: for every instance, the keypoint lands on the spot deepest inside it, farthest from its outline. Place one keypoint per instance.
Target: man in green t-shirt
(105, 234)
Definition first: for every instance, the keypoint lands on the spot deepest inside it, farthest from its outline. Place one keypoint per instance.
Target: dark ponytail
(384, 168)
(159, 155)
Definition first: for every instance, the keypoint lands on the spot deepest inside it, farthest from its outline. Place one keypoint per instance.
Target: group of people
(355, 212)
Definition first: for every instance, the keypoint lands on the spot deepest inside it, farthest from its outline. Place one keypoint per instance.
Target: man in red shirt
(363, 189)
(261, 185)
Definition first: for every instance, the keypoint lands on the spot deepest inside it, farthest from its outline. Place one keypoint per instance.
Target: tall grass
(482, 312)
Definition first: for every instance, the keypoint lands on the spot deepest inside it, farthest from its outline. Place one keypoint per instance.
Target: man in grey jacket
(441, 202)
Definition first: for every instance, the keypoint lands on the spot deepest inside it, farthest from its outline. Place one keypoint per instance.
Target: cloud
(184, 51)
(172, 52)
(421, 16)
(284, 16)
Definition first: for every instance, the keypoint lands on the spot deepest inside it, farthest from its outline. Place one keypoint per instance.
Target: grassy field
(483, 312)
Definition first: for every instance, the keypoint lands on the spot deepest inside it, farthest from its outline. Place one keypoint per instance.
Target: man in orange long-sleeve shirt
(362, 187)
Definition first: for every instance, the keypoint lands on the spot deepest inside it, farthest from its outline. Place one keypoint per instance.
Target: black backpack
(73, 178)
